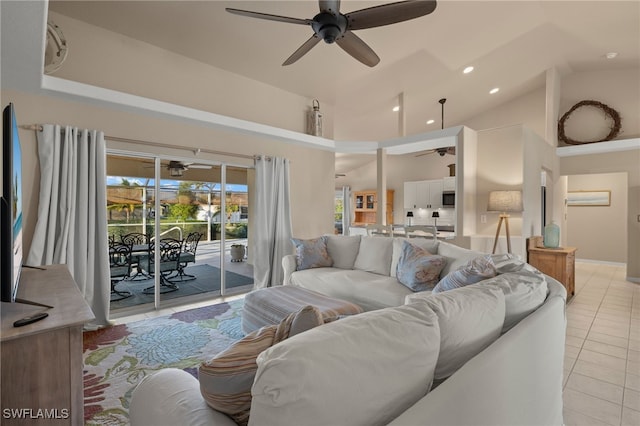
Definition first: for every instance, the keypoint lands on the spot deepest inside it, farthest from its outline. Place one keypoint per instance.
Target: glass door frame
(157, 164)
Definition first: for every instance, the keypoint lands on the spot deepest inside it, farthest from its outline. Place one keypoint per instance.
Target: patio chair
(139, 243)
(169, 256)
(120, 268)
(187, 255)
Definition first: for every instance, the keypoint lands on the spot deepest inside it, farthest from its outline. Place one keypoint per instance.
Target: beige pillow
(365, 369)
(226, 380)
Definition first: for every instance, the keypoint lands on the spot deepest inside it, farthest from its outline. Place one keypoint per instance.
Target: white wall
(605, 224)
(312, 170)
(107, 59)
(619, 89)
(528, 110)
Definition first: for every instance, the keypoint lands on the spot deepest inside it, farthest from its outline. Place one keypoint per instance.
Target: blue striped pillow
(476, 270)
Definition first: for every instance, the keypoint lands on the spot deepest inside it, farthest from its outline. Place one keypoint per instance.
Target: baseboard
(602, 262)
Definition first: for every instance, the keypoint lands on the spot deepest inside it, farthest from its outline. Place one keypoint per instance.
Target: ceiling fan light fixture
(175, 172)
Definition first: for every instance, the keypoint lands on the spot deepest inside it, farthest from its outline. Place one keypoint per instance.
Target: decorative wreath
(615, 129)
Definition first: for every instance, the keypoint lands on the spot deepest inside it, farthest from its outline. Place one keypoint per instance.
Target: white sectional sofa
(364, 269)
(496, 359)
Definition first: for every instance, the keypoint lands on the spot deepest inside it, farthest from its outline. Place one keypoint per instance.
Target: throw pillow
(311, 253)
(375, 255)
(476, 270)
(343, 249)
(470, 319)
(418, 269)
(365, 369)
(428, 244)
(226, 380)
(456, 256)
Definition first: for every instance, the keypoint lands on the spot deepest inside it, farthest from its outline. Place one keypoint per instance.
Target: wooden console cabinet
(559, 263)
(42, 379)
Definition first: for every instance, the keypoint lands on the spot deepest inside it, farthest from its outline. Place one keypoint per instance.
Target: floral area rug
(118, 357)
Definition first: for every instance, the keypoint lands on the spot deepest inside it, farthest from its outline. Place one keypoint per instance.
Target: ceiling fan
(332, 26)
(451, 150)
(177, 168)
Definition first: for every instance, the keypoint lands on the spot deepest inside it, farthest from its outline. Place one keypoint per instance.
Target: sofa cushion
(525, 289)
(226, 380)
(367, 290)
(374, 255)
(428, 244)
(476, 270)
(418, 269)
(470, 319)
(456, 256)
(343, 250)
(361, 370)
(311, 253)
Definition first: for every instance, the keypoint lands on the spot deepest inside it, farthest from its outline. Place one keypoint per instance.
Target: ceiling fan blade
(198, 166)
(269, 17)
(331, 6)
(391, 13)
(354, 46)
(302, 50)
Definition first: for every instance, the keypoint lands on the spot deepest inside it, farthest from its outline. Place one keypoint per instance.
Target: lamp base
(505, 218)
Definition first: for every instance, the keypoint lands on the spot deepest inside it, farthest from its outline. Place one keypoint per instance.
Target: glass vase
(551, 235)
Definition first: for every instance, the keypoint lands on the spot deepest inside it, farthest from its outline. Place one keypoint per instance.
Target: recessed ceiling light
(430, 121)
(396, 108)
(467, 70)
(494, 90)
(611, 55)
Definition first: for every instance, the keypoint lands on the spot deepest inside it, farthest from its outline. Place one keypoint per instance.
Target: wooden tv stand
(42, 362)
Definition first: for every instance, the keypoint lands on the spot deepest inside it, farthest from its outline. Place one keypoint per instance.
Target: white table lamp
(504, 202)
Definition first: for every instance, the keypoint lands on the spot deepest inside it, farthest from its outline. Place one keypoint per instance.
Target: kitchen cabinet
(425, 194)
(449, 183)
(366, 207)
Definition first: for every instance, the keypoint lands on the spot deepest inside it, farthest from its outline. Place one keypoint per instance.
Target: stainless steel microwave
(448, 199)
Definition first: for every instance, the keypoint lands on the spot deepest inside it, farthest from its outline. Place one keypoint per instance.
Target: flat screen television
(11, 221)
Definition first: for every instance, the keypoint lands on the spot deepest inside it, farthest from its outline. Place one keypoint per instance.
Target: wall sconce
(409, 216)
(504, 202)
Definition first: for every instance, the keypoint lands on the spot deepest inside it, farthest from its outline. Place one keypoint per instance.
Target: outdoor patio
(238, 279)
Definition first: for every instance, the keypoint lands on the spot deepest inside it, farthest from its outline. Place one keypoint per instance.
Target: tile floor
(602, 352)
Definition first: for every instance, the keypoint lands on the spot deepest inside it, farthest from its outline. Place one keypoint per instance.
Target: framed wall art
(589, 198)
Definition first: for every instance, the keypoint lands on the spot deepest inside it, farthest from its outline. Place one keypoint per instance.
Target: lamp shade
(435, 214)
(505, 201)
(409, 214)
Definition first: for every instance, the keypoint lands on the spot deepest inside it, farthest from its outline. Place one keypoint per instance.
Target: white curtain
(346, 210)
(273, 222)
(72, 211)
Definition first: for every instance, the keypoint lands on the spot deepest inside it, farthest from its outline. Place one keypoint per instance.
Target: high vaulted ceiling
(510, 43)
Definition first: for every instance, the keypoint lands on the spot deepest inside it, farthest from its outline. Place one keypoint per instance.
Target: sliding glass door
(186, 226)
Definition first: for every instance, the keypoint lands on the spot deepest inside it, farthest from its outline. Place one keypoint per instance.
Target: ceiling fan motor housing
(329, 27)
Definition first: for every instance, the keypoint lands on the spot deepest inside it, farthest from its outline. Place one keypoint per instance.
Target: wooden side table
(558, 263)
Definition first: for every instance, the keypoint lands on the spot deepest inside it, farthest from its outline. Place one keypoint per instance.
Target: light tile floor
(602, 352)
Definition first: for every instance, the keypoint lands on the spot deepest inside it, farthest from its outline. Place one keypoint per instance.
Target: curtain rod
(196, 151)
